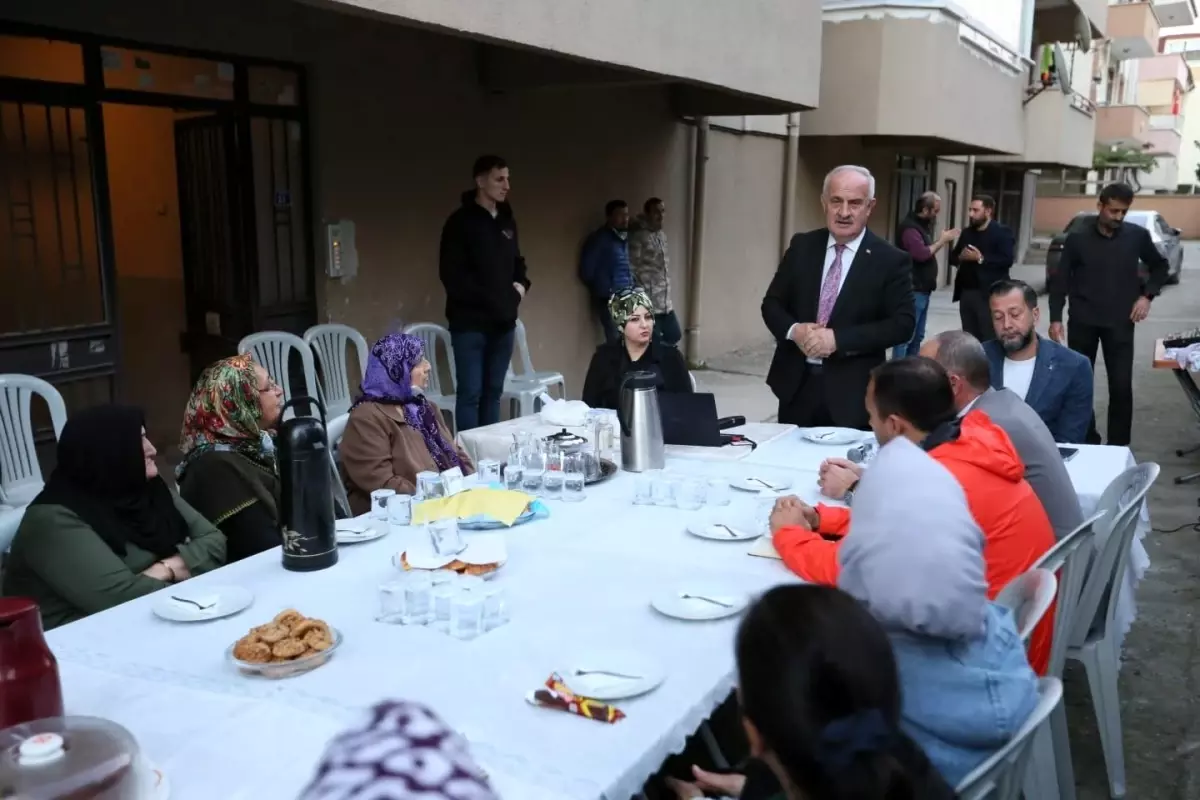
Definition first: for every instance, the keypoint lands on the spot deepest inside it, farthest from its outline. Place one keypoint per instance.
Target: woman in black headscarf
(106, 528)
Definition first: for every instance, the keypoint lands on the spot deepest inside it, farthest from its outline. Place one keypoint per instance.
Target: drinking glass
(689, 494)
(763, 506)
(574, 477)
(443, 598)
(489, 471)
(444, 535)
(663, 489)
(429, 485)
(391, 602)
(466, 615)
(719, 493)
(552, 478)
(418, 599)
(379, 503)
(495, 608)
(399, 510)
(643, 489)
(535, 470)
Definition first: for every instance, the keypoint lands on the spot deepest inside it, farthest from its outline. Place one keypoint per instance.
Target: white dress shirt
(847, 259)
(1018, 375)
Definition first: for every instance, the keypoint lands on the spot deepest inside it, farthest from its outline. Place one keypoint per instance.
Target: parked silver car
(1166, 239)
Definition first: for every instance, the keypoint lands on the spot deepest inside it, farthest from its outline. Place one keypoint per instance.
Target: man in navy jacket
(604, 265)
(1054, 380)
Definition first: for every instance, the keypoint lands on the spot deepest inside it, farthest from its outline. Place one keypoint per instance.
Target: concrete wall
(1182, 211)
(678, 38)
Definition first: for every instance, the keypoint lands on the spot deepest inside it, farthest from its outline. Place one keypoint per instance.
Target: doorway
(154, 209)
(913, 176)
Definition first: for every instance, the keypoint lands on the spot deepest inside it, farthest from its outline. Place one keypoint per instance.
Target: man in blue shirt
(604, 265)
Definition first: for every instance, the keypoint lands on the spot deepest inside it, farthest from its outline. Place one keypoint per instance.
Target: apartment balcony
(1060, 131)
(1174, 13)
(874, 50)
(1057, 20)
(679, 43)
(1122, 126)
(1165, 136)
(1132, 29)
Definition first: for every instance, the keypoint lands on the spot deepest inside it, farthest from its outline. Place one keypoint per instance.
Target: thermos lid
(68, 757)
(565, 438)
(640, 380)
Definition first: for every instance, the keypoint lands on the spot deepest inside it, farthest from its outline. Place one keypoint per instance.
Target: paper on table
(352, 525)
(483, 548)
(763, 548)
(502, 505)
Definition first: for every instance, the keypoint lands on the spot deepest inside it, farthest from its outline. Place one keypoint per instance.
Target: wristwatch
(848, 497)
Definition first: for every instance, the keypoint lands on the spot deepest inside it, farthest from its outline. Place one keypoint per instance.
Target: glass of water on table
(514, 469)
(574, 477)
(535, 470)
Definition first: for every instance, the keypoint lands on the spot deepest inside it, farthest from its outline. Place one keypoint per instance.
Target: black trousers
(1117, 343)
(975, 315)
(807, 408)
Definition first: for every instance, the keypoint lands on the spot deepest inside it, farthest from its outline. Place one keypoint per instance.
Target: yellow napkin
(502, 505)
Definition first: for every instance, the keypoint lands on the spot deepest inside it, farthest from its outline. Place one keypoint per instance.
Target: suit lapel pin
(868, 252)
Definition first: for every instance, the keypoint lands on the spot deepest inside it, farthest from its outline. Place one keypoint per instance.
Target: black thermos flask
(306, 513)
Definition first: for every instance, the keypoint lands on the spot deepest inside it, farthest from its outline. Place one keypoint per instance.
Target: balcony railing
(1166, 122)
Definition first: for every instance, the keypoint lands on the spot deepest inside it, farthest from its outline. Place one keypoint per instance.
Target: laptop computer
(689, 418)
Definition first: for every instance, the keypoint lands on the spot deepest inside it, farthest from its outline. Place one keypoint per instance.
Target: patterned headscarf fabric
(622, 305)
(223, 414)
(403, 752)
(389, 380)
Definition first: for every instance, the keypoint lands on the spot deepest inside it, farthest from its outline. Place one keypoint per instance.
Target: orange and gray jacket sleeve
(807, 554)
(833, 520)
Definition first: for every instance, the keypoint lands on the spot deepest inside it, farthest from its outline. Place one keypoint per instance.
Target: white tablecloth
(493, 441)
(579, 581)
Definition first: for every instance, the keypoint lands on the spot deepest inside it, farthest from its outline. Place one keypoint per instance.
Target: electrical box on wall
(341, 257)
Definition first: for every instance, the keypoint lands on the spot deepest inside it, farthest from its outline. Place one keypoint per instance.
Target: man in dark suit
(982, 256)
(1054, 380)
(841, 297)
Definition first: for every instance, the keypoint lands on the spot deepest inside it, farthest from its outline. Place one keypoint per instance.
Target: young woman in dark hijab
(106, 528)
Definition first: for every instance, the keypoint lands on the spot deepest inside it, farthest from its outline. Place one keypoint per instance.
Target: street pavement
(1160, 673)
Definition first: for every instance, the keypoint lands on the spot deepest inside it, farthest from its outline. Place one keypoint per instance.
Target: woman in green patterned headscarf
(228, 472)
(636, 351)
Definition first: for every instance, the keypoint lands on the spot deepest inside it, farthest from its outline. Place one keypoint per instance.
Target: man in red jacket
(912, 397)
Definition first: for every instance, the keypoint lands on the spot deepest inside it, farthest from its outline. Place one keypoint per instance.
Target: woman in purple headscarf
(394, 431)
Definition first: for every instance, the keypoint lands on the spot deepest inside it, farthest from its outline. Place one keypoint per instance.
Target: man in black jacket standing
(1098, 274)
(915, 236)
(983, 255)
(483, 271)
(841, 297)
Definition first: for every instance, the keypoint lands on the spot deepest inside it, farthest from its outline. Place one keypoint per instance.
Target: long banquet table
(577, 582)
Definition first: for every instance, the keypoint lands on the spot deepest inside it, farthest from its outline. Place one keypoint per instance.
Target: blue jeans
(481, 361)
(921, 307)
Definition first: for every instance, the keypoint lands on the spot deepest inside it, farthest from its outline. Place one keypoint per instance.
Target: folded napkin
(764, 548)
(501, 505)
(556, 695)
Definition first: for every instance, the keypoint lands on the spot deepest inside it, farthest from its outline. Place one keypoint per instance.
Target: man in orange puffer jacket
(912, 397)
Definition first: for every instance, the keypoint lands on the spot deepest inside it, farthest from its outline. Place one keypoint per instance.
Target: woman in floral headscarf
(394, 432)
(228, 472)
(635, 351)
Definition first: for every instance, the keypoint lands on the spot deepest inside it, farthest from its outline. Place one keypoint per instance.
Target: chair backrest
(522, 348)
(692, 377)
(1029, 596)
(1069, 559)
(329, 343)
(432, 335)
(273, 350)
(1120, 508)
(1002, 775)
(20, 473)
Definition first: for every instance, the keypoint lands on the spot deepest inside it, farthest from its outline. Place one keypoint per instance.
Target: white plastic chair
(1095, 638)
(692, 377)
(329, 342)
(273, 350)
(523, 388)
(433, 336)
(20, 472)
(1029, 596)
(335, 426)
(1001, 776)
(1050, 775)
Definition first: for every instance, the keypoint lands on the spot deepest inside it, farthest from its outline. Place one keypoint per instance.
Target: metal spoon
(193, 603)
(581, 672)
(715, 602)
(764, 483)
(732, 533)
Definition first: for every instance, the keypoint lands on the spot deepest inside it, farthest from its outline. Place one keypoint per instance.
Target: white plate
(833, 436)
(761, 483)
(154, 783)
(683, 602)
(649, 674)
(228, 600)
(716, 530)
(369, 535)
